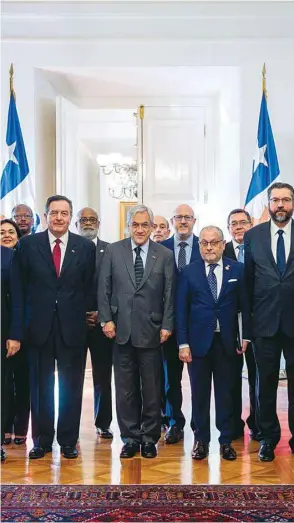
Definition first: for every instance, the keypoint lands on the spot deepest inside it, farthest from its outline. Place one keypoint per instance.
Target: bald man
(100, 347)
(24, 217)
(161, 229)
(185, 247)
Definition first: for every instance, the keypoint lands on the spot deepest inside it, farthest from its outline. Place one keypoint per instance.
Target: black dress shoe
(148, 450)
(105, 433)
(3, 455)
(7, 441)
(20, 441)
(173, 435)
(266, 452)
(39, 452)
(200, 450)
(69, 452)
(129, 450)
(227, 452)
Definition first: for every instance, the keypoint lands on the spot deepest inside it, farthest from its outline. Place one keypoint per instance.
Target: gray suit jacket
(139, 313)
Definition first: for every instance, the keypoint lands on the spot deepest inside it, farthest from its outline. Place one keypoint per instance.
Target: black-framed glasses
(92, 220)
(20, 216)
(186, 217)
(285, 201)
(242, 223)
(213, 243)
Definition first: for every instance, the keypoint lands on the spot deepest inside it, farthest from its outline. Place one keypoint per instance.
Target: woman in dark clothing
(11, 324)
(17, 372)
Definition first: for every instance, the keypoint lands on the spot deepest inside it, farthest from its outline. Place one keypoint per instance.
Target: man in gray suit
(135, 305)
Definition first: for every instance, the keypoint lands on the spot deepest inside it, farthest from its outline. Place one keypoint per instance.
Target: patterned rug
(60, 503)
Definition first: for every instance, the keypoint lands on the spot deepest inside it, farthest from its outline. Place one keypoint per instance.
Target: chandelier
(124, 176)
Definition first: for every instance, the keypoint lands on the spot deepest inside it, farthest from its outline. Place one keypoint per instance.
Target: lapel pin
(73, 250)
(154, 257)
(101, 250)
(227, 267)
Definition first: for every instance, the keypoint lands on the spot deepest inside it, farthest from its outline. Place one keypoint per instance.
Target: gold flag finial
(11, 73)
(141, 112)
(264, 81)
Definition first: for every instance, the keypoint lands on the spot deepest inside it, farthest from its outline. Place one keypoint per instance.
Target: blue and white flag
(265, 167)
(16, 180)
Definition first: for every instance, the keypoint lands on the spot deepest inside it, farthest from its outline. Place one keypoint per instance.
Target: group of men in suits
(159, 304)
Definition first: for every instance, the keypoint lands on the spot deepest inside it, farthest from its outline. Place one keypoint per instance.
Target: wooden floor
(99, 463)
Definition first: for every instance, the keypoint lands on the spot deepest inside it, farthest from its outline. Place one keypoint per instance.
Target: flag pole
(264, 81)
(11, 73)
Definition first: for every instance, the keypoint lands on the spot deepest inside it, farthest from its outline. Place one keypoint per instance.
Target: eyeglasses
(83, 221)
(242, 223)
(285, 201)
(144, 225)
(213, 243)
(20, 216)
(186, 217)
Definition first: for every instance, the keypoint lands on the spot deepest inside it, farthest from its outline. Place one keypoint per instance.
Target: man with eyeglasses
(24, 217)
(100, 347)
(210, 293)
(185, 248)
(135, 306)
(239, 222)
(269, 269)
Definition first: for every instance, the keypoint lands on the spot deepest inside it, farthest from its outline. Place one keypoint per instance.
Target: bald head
(24, 217)
(161, 229)
(183, 221)
(88, 223)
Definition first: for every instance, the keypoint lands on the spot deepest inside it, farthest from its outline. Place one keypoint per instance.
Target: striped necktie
(139, 267)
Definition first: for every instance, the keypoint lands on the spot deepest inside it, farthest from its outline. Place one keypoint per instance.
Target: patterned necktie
(241, 253)
(281, 255)
(139, 267)
(182, 262)
(56, 253)
(212, 280)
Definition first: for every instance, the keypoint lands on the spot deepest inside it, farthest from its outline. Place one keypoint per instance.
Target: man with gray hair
(210, 293)
(135, 306)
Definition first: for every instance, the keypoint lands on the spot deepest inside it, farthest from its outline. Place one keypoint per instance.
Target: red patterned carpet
(60, 503)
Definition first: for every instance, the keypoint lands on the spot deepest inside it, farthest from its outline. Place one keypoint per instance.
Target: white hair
(212, 228)
(139, 208)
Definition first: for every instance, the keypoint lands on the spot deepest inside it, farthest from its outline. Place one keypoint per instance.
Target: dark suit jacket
(11, 298)
(139, 313)
(271, 296)
(196, 309)
(229, 251)
(195, 254)
(70, 294)
(100, 251)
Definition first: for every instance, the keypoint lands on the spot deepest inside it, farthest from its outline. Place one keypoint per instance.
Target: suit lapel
(70, 254)
(45, 250)
(227, 274)
(266, 241)
(100, 250)
(205, 282)
(128, 259)
(195, 249)
(151, 259)
(290, 261)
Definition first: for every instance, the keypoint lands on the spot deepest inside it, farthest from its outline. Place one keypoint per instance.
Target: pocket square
(231, 281)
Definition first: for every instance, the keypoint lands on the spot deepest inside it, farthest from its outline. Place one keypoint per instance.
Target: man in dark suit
(135, 305)
(210, 293)
(57, 269)
(23, 215)
(11, 324)
(100, 347)
(239, 222)
(269, 270)
(185, 249)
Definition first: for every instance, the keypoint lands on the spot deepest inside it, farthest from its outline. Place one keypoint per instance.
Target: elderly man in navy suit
(185, 248)
(209, 295)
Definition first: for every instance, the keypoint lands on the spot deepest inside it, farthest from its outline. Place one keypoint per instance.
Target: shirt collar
(220, 263)
(286, 229)
(189, 240)
(236, 244)
(144, 247)
(95, 240)
(63, 239)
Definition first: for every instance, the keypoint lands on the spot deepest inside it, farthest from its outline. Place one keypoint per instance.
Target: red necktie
(57, 256)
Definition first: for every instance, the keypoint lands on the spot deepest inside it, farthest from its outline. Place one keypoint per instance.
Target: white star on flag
(259, 157)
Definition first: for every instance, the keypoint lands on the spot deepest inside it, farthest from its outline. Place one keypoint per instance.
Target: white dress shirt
(63, 244)
(143, 253)
(286, 236)
(95, 240)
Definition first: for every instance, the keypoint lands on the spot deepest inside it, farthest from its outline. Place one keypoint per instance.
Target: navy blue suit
(173, 366)
(11, 319)
(212, 353)
(56, 331)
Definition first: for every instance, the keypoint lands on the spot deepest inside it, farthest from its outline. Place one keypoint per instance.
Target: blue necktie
(281, 255)
(212, 281)
(241, 253)
(139, 267)
(182, 262)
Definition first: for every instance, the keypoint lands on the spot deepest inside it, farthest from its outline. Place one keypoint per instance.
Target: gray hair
(139, 208)
(212, 228)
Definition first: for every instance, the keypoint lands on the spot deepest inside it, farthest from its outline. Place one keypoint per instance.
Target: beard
(90, 234)
(284, 217)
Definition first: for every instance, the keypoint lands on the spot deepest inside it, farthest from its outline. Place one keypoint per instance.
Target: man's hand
(164, 335)
(12, 347)
(244, 347)
(185, 355)
(92, 318)
(109, 329)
